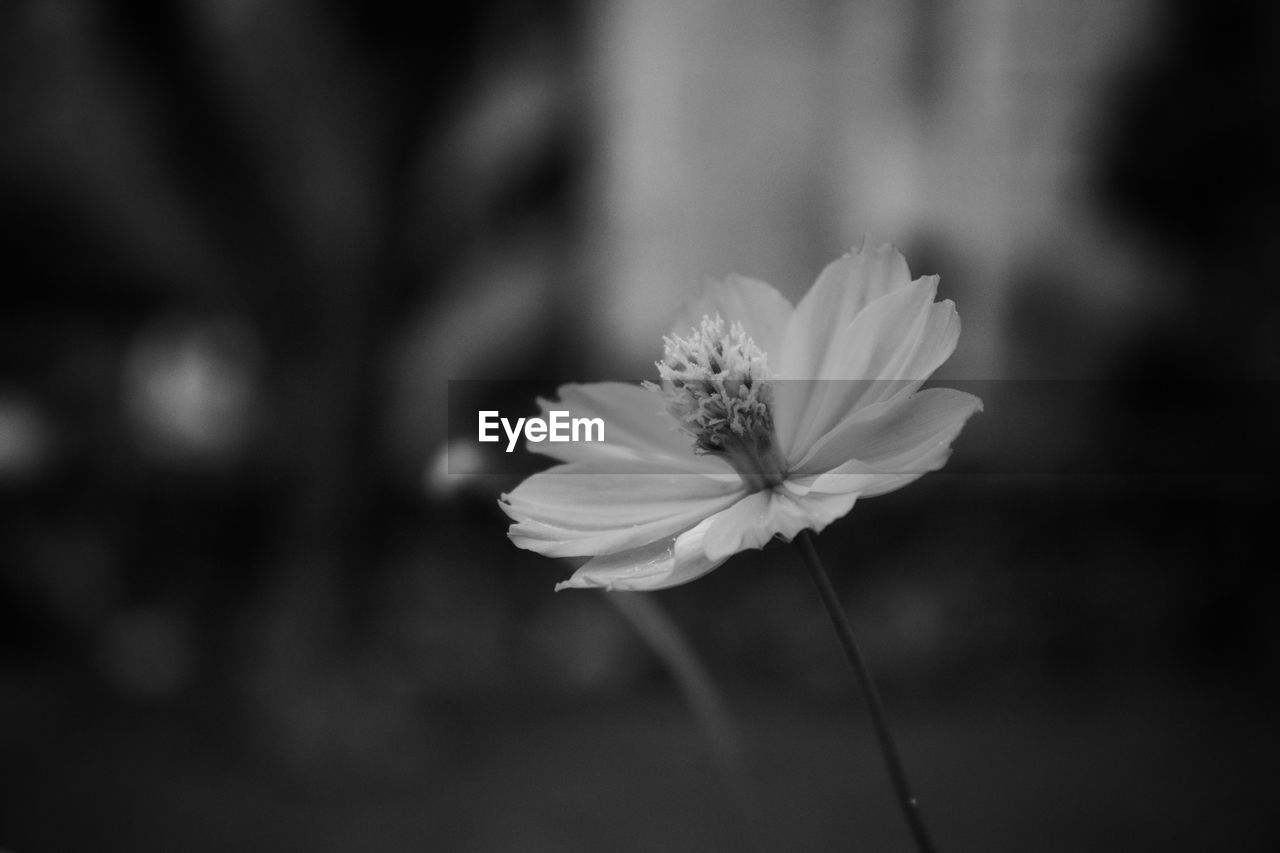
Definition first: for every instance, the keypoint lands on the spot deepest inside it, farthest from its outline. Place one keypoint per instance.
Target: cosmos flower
(769, 419)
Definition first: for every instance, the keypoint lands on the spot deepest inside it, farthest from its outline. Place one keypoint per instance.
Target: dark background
(244, 247)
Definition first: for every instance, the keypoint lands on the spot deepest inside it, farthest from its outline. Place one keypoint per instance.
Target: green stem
(908, 802)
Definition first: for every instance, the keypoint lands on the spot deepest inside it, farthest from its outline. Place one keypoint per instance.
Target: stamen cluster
(715, 383)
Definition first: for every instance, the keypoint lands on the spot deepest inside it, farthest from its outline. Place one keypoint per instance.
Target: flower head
(717, 387)
(769, 419)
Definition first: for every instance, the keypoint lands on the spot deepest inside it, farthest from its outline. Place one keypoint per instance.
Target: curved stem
(671, 646)
(910, 807)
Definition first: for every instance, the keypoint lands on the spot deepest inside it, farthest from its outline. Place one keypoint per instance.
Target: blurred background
(246, 245)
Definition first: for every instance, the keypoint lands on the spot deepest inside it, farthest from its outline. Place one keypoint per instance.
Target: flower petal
(762, 310)
(853, 479)
(936, 344)
(757, 518)
(658, 565)
(904, 368)
(909, 435)
(865, 360)
(815, 511)
(746, 524)
(602, 508)
(843, 289)
(637, 427)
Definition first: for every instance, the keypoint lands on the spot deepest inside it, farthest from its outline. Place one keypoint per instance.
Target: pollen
(716, 385)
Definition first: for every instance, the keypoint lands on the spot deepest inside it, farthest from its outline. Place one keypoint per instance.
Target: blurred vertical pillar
(920, 91)
(712, 129)
(739, 136)
(987, 124)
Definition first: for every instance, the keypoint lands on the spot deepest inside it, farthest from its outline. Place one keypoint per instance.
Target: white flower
(769, 420)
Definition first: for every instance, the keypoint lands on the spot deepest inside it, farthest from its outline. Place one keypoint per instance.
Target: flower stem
(910, 807)
(674, 649)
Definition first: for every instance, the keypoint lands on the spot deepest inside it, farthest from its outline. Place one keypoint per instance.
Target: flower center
(716, 385)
